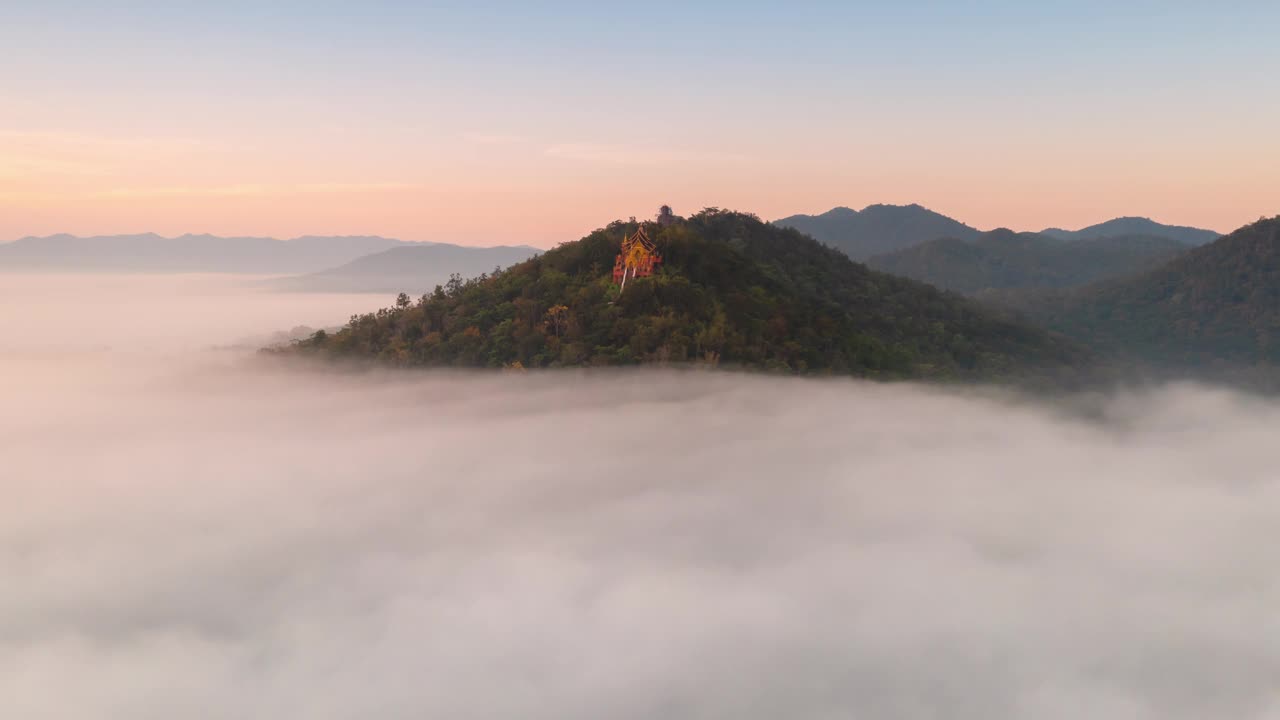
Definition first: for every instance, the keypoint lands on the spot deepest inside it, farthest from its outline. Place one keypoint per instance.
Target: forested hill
(731, 290)
(1217, 304)
(877, 229)
(1003, 259)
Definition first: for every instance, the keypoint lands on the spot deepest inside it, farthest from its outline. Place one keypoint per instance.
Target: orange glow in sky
(530, 126)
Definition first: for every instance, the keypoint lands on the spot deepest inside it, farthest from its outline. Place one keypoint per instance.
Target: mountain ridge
(195, 235)
(877, 229)
(881, 229)
(1134, 225)
(1217, 304)
(191, 252)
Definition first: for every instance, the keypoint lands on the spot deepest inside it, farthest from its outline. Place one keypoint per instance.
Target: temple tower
(637, 258)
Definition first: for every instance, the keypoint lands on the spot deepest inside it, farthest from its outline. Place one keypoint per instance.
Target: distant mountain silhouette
(1136, 226)
(877, 229)
(414, 269)
(186, 253)
(1214, 305)
(1003, 259)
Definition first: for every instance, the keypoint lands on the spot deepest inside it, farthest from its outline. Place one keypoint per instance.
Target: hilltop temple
(638, 257)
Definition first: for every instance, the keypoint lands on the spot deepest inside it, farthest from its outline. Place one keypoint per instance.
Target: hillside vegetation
(1216, 304)
(1003, 259)
(731, 290)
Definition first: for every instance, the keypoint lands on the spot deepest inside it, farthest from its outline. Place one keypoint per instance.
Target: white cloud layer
(201, 536)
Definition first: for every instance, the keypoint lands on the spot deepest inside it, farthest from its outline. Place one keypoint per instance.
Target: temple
(638, 256)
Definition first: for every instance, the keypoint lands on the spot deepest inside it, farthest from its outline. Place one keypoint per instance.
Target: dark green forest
(1003, 259)
(1216, 305)
(731, 291)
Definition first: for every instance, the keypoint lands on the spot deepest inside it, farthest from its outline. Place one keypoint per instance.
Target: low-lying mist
(201, 534)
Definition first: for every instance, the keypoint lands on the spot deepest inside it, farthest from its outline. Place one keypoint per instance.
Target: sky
(534, 123)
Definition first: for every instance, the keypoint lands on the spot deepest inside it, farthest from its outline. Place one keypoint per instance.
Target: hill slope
(186, 253)
(1136, 226)
(731, 290)
(1003, 259)
(413, 269)
(877, 229)
(1219, 303)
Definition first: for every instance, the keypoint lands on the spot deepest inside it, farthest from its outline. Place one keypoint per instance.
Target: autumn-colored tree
(557, 318)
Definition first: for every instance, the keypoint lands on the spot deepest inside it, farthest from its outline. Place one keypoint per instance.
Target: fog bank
(201, 535)
(155, 313)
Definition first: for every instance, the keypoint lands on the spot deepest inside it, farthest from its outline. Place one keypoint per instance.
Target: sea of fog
(190, 532)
